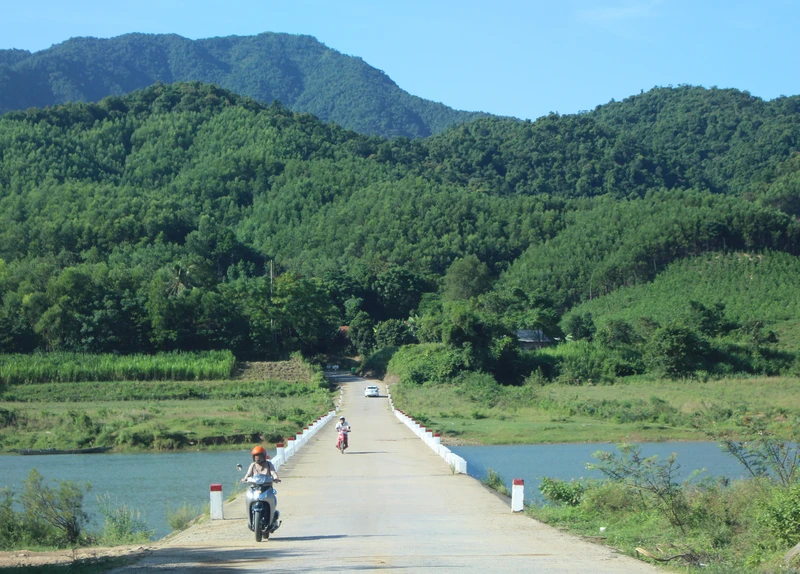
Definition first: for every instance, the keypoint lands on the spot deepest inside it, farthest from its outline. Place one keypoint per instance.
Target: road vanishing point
(389, 503)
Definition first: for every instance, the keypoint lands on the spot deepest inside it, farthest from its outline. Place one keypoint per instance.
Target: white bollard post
(216, 502)
(517, 495)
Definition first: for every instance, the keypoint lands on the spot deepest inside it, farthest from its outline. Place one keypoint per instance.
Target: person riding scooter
(261, 465)
(343, 427)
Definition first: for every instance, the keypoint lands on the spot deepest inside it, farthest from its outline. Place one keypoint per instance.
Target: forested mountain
(300, 72)
(149, 221)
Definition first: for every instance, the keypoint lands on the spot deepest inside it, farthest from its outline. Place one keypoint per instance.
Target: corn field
(18, 369)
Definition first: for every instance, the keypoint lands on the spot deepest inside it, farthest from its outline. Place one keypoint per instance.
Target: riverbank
(629, 411)
(157, 416)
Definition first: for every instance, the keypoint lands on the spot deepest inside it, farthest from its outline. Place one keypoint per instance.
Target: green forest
(656, 235)
(297, 70)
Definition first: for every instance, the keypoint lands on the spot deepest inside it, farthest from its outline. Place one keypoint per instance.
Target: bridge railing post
(216, 502)
(517, 495)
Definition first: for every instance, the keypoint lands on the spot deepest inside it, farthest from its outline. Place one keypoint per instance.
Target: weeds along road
(388, 503)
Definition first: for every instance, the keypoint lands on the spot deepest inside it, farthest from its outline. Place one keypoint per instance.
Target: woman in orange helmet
(261, 465)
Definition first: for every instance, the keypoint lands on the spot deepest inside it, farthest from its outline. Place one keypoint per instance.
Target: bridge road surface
(387, 503)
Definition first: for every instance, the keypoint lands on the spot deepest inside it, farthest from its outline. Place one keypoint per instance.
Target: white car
(371, 391)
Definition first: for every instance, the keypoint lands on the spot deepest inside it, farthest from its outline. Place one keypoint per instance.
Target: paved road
(388, 503)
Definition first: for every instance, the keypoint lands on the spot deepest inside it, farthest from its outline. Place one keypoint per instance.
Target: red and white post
(216, 502)
(517, 495)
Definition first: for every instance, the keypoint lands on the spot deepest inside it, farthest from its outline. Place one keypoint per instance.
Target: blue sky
(522, 58)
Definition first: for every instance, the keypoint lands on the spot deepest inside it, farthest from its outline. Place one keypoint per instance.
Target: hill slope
(146, 221)
(300, 72)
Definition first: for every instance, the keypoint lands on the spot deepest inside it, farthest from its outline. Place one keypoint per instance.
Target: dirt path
(388, 503)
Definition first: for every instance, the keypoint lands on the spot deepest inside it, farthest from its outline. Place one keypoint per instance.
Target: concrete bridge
(389, 503)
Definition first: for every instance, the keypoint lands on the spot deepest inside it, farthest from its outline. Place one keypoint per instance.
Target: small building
(532, 339)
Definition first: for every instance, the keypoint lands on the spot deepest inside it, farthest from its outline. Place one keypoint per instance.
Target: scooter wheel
(257, 525)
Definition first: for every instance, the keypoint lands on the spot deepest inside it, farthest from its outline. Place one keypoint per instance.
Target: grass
(158, 424)
(496, 482)
(635, 411)
(136, 415)
(16, 369)
(180, 518)
(722, 529)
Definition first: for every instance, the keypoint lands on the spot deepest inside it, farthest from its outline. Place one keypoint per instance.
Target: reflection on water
(150, 483)
(567, 461)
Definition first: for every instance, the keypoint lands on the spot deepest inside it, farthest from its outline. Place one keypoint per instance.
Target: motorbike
(342, 442)
(262, 502)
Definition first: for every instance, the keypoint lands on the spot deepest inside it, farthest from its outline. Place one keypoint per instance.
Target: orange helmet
(258, 450)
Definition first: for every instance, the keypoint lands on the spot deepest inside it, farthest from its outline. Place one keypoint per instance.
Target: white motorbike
(262, 502)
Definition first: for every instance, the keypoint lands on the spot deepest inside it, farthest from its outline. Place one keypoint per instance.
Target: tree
(675, 350)
(399, 292)
(581, 326)
(362, 333)
(467, 277)
(392, 333)
(60, 508)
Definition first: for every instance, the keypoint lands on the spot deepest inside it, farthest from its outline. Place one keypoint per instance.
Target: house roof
(532, 336)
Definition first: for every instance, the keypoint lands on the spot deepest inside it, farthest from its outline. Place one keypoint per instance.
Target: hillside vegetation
(186, 217)
(298, 71)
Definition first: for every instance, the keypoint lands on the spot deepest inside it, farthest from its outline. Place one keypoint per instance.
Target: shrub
(654, 480)
(782, 515)
(609, 497)
(562, 492)
(431, 362)
(10, 521)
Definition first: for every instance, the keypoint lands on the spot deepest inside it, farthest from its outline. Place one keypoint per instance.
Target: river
(568, 461)
(149, 483)
(152, 483)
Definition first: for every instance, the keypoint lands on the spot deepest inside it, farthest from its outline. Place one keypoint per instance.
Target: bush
(431, 362)
(655, 481)
(609, 497)
(562, 492)
(10, 522)
(782, 515)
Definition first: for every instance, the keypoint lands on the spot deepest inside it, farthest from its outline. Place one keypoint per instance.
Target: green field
(266, 402)
(624, 412)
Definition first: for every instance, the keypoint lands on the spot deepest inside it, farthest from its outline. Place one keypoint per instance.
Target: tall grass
(180, 518)
(20, 369)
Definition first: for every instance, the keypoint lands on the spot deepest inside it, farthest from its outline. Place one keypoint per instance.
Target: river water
(149, 483)
(568, 461)
(152, 483)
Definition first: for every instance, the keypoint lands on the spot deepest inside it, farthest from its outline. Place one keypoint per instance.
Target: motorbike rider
(343, 425)
(261, 465)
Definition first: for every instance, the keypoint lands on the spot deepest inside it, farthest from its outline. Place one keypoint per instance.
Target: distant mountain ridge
(299, 71)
